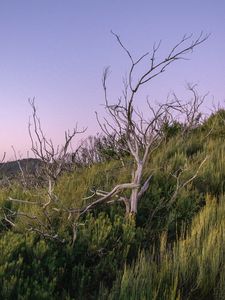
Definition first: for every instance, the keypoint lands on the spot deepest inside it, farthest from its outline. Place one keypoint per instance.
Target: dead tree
(143, 135)
(190, 110)
(54, 158)
(53, 162)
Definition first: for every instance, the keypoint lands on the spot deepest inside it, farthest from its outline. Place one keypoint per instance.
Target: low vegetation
(168, 251)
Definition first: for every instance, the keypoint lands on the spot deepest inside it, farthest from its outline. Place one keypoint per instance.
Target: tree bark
(137, 176)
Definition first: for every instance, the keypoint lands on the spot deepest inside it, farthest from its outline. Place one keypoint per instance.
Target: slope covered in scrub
(172, 249)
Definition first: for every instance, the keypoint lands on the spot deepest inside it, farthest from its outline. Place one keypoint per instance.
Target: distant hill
(12, 168)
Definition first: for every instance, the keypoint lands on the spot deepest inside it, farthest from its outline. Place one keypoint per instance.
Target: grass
(190, 268)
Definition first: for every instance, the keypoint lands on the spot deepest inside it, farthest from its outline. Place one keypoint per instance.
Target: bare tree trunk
(137, 176)
(143, 135)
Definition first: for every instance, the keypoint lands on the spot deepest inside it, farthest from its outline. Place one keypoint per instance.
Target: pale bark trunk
(134, 201)
(134, 194)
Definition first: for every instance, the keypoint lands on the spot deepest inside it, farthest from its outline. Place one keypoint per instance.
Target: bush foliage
(169, 251)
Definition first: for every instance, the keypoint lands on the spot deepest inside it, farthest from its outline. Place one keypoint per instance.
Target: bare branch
(23, 201)
(180, 186)
(109, 195)
(144, 136)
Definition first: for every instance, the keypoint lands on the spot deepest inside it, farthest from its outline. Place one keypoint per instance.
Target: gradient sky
(56, 50)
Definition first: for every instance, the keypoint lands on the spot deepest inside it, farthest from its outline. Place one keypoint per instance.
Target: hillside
(172, 249)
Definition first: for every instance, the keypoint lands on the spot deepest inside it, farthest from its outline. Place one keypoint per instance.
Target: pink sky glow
(56, 50)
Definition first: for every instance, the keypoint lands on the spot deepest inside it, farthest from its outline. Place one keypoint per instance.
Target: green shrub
(191, 268)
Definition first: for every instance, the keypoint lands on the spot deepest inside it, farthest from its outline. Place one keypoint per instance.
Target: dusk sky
(56, 51)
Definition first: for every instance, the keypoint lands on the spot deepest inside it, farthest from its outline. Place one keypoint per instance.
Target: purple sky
(56, 50)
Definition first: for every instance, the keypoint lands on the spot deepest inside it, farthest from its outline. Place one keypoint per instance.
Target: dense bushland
(190, 268)
(170, 250)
